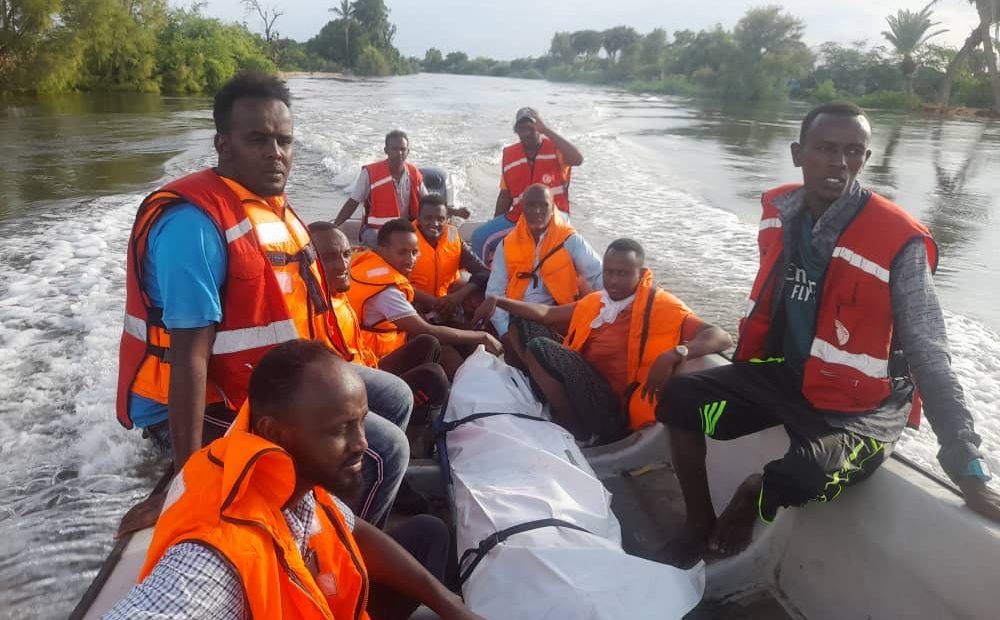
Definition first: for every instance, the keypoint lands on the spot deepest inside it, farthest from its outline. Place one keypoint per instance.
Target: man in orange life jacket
(436, 277)
(843, 323)
(416, 362)
(220, 269)
(539, 156)
(598, 388)
(389, 189)
(250, 528)
(382, 297)
(543, 260)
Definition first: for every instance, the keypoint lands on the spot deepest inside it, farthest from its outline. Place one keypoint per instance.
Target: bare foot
(688, 546)
(734, 528)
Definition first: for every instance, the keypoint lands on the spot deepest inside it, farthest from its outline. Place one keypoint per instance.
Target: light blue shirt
(183, 272)
(585, 259)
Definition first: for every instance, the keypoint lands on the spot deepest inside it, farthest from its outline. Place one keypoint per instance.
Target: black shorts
(738, 399)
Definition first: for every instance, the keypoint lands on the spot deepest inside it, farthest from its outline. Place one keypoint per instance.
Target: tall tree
(23, 26)
(346, 13)
(768, 53)
(562, 48)
(587, 43)
(989, 14)
(617, 39)
(908, 33)
(653, 46)
(268, 19)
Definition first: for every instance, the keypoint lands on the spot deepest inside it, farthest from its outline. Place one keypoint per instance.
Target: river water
(683, 179)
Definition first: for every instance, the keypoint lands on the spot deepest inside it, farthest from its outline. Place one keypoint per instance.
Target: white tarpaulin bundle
(509, 471)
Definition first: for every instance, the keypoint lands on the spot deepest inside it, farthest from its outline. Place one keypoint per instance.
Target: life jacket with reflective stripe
(370, 275)
(555, 264)
(656, 324)
(848, 366)
(519, 172)
(382, 203)
(228, 498)
(273, 290)
(344, 321)
(438, 267)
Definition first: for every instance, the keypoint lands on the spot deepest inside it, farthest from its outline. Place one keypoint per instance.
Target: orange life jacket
(228, 497)
(438, 266)
(656, 325)
(382, 204)
(370, 275)
(848, 367)
(555, 265)
(273, 291)
(344, 321)
(519, 172)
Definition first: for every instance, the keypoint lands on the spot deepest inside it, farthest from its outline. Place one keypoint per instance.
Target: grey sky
(514, 28)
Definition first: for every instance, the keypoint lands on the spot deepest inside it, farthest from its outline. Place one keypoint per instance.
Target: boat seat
(647, 445)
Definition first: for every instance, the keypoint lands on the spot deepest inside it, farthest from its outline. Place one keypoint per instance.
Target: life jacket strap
(533, 274)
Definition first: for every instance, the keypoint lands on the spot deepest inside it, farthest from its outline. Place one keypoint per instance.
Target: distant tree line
(146, 46)
(762, 58)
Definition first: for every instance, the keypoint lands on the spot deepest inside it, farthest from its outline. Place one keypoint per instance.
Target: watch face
(682, 350)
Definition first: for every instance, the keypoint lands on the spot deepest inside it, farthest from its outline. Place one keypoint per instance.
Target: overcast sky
(506, 29)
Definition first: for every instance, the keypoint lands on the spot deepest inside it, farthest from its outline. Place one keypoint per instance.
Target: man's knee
(428, 345)
(388, 395)
(677, 404)
(389, 445)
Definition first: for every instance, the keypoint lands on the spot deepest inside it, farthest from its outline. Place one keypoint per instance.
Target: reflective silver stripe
(771, 222)
(233, 340)
(515, 164)
(284, 281)
(377, 271)
(272, 232)
(862, 263)
(866, 364)
(380, 183)
(379, 221)
(238, 230)
(751, 304)
(537, 157)
(135, 327)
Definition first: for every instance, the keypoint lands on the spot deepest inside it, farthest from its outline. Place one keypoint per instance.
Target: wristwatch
(977, 469)
(681, 350)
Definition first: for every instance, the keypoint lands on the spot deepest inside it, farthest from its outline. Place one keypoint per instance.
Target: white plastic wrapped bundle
(522, 472)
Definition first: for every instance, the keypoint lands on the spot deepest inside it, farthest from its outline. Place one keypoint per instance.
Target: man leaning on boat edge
(843, 322)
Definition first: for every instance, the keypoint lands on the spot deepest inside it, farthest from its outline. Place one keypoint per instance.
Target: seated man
(436, 277)
(539, 156)
(596, 387)
(250, 528)
(544, 261)
(389, 189)
(843, 322)
(382, 297)
(416, 362)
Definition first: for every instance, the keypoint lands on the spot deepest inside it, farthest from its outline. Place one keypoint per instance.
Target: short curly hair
(246, 84)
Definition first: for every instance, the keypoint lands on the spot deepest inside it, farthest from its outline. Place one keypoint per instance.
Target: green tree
(372, 62)
(908, 33)
(587, 43)
(561, 48)
(198, 54)
(24, 25)
(346, 13)
(768, 53)
(617, 39)
(654, 44)
(433, 60)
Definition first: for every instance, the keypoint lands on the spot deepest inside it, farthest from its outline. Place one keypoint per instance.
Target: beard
(346, 484)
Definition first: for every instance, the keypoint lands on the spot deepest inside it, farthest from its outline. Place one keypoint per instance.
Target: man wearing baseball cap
(540, 156)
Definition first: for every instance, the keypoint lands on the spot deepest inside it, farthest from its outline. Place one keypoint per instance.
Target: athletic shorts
(738, 399)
